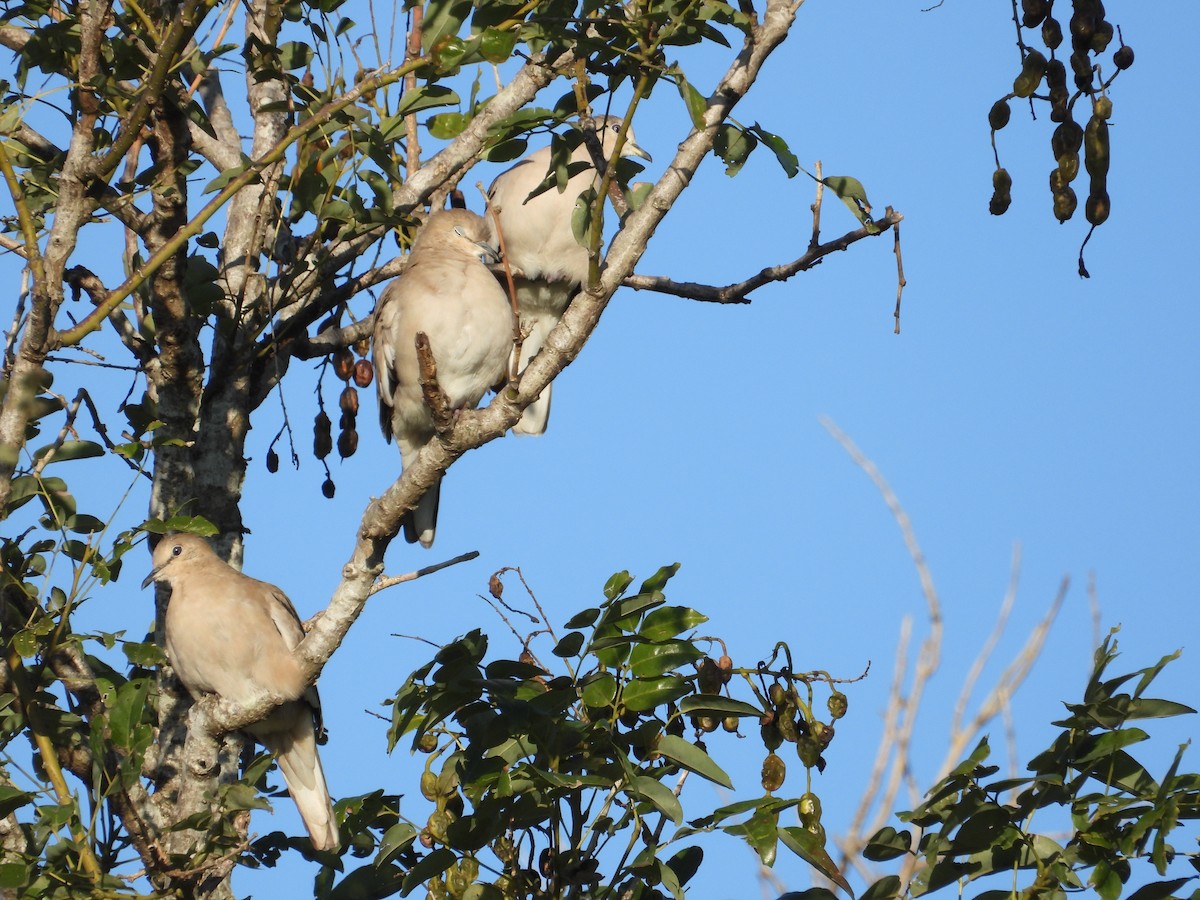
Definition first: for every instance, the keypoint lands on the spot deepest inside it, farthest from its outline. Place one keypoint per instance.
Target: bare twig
(385, 582)
(412, 50)
(738, 292)
(815, 240)
(985, 653)
(900, 282)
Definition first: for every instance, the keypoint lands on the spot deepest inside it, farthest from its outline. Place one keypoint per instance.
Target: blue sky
(1019, 405)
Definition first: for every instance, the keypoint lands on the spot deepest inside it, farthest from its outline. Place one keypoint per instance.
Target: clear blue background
(1019, 405)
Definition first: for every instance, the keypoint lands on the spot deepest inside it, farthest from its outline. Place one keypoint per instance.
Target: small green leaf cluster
(568, 781)
(1119, 816)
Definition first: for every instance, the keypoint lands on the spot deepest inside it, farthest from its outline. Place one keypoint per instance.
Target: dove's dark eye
(177, 549)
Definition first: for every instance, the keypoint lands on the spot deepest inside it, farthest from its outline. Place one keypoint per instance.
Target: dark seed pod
(1033, 11)
(838, 704)
(272, 461)
(1097, 208)
(328, 488)
(1095, 147)
(1032, 70)
(1001, 193)
(347, 443)
(322, 435)
(1052, 33)
(343, 364)
(427, 743)
(773, 772)
(730, 724)
(364, 373)
(1082, 67)
(1083, 23)
(348, 401)
(1065, 204)
(1058, 180)
(1068, 164)
(1123, 58)
(809, 751)
(1101, 37)
(1102, 107)
(999, 115)
(809, 809)
(771, 737)
(1067, 138)
(708, 676)
(347, 421)
(785, 721)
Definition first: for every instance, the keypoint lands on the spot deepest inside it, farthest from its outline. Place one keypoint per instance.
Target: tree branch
(738, 292)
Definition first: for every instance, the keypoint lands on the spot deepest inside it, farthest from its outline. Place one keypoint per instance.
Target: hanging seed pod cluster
(1094, 65)
(356, 374)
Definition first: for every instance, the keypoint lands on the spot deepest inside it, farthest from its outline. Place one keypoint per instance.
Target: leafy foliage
(569, 780)
(1119, 817)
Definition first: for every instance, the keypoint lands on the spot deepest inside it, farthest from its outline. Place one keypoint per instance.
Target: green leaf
(189, 524)
(14, 875)
(652, 660)
(447, 126)
(599, 689)
(147, 655)
(228, 175)
(582, 215)
(692, 758)
(496, 46)
(633, 606)
(734, 146)
(811, 849)
(12, 799)
(69, 450)
(584, 619)
(717, 705)
(760, 832)
(125, 713)
(668, 621)
(569, 645)
(696, 105)
(686, 863)
(884, 889)
(432, 865)
(659, 795)
(852, 193)
(295, 55)
(659, 579)
(242, 796)
(1156, 709)
(888, 843)
(615, 586)
(394, 841)
(1157, 890)
(642, 694)
(783, 153)
(449, 52)
(427, 96)
(443, 18)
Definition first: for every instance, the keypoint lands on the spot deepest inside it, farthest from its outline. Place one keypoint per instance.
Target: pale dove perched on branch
(233, 636)
(449, 294)
(539, 241)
